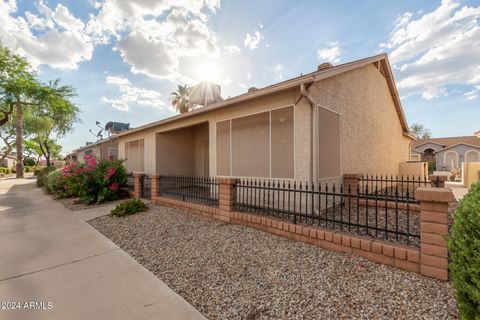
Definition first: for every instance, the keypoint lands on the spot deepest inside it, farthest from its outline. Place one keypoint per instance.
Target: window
(451, 160)
(472, 156)
(135, 155)
(282, 143)
(113, 152)
(250, 146)
(328, 144)
(258, 145)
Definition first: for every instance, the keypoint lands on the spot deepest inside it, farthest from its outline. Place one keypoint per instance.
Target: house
(9, 161)
(338, 119)
(448, 153)
(101, 149)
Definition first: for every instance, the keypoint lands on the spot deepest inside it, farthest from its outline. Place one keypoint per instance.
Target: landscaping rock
(234, 272)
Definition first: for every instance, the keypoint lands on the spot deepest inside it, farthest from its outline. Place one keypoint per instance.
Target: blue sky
(125, 57)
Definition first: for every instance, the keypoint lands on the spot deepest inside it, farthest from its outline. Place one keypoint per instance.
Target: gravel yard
(234, 272)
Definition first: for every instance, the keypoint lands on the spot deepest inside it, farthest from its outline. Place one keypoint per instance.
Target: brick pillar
(433, 229)
(227, 193)
(437, 181)
(351, 180)
(137, 184)
(155, 186)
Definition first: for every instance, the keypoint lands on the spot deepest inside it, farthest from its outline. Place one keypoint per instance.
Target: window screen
(135, 156)
(282, 143)
(223, 148)
(250, 146)
(328, 144)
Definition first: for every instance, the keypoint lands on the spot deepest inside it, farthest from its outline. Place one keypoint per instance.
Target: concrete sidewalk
(51, 257)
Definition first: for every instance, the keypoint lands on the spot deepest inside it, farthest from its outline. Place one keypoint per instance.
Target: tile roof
(448, 141)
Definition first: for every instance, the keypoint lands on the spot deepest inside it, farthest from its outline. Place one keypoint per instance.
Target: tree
(419, 131)
(180, 99)
(7, 135)
(18, 86)
(52, 118)
(20, 89)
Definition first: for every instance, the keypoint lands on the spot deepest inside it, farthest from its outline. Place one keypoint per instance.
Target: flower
(110, 172)
(113, 186)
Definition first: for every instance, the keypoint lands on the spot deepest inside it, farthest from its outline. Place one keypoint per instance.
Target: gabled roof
(448, 141)
(380, 60)
(458, 144)
(93, 145)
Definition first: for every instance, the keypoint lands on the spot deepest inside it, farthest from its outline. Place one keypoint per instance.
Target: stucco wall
(413, 170)
(282, 99)
(471, 173)
(460, 150)
(371, 134)
(99, 150)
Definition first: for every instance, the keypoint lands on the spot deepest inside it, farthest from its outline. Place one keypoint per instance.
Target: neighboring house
(338, 119)
(449, 153)
(100, 149)
(8, 162)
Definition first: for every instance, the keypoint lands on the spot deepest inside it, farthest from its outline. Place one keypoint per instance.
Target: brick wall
(431, 260)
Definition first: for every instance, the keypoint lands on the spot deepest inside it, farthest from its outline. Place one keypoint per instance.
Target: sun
(208, 71)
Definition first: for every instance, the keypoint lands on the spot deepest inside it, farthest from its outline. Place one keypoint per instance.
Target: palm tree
(180, 99)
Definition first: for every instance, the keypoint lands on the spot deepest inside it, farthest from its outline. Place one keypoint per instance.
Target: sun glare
(208, 71)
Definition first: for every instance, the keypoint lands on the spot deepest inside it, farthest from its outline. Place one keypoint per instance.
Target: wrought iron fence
(331, 206)
(396, 188)
(130, 186)
(202, 190)
(146, 191)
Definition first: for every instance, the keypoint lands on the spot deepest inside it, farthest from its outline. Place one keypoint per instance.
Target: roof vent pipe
(251, 89)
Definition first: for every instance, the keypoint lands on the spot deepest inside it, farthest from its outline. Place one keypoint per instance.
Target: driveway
(56, 266)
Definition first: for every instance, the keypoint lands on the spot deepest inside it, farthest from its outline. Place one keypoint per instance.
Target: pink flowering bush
(94, 181)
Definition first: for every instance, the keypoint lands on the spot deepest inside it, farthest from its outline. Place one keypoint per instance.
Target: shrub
(54, 183)
(5, 170)
(129, 207)
(432, 166)
(464, 246)
(29, 162)
(93, 181)
(42, 176)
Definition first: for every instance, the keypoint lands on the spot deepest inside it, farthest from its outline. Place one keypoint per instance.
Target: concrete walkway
(51, 257)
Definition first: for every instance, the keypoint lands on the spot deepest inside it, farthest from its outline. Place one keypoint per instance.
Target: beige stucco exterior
(372, 139)
(100, 149)
(471, 173)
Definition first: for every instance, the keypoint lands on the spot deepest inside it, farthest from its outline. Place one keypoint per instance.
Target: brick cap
(434, 194)
(138, 174)
(231, 181)
(437, 177)
(352, 176)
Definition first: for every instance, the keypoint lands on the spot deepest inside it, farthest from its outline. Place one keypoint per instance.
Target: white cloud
(251, 41)
(332, 53)
(232, 49)
(131, 95)
(62, 42)
(154, 36)
(437, 49)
